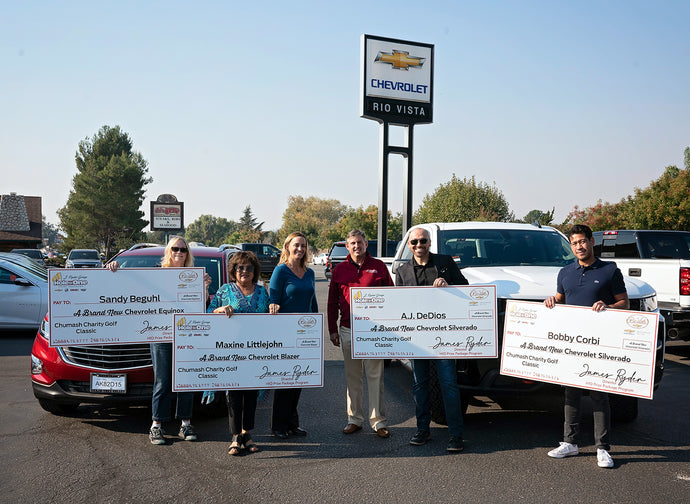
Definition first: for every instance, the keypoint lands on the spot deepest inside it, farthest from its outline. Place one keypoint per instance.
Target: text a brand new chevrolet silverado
(522, 261)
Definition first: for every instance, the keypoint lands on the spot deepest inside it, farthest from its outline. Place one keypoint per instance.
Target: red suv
(61, 376)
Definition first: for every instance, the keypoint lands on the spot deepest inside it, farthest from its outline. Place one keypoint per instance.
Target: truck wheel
(438, 410)
(57, 408)
(623, 408)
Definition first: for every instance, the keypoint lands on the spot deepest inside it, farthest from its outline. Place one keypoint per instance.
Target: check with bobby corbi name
(247, 351)
(455, 322)
(96, 306)
(609, 351)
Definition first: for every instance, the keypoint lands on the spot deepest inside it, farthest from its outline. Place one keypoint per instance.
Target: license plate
(111, 383)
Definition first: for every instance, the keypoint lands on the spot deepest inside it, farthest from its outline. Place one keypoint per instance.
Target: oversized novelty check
(609, 351)
(457, 322)
(248, 351)
(95, 306)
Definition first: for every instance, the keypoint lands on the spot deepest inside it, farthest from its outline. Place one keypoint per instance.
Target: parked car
(267, 254)
(660, 258)
(23, 292)
(83, 258)
(320, 259)
(34, 254)
(523, 261)
(339, 253)
(61, 377)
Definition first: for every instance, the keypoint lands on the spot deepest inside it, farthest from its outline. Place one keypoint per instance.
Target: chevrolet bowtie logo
(400, 59)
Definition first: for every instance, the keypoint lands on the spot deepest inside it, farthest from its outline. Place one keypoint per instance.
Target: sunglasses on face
(179, 249)
(242, 268)
(421, 240)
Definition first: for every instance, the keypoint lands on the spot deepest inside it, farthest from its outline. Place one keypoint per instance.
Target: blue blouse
(292, 293)
(230, 294)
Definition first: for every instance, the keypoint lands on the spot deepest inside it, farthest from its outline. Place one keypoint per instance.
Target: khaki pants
(373, 368)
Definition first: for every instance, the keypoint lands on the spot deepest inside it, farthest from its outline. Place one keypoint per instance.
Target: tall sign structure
(397, 88)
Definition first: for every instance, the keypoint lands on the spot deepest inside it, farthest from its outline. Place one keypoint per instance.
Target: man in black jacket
(437, 270)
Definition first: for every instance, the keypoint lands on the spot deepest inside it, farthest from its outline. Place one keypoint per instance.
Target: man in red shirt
(358, 270)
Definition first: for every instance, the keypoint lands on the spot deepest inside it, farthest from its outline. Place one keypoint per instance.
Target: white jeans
(373, 368)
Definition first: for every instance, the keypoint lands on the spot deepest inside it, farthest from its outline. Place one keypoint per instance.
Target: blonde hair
(167, 256)
(285, 253)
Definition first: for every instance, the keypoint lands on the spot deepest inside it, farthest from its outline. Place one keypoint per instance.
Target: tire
(623, 408)
(438, 409)
(57, 408)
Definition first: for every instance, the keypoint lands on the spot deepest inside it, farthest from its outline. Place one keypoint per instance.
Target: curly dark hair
(244, 257)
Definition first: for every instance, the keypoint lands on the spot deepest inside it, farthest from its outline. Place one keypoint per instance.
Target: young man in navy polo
(587, 282)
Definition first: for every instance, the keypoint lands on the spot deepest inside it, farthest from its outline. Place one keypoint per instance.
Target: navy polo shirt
(585, 285)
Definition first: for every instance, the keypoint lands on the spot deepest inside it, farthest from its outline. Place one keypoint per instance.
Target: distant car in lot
(23, 292)
(83, 258)
(320, 259)
(267, 254)
(34, 254)
(339, 253)
(61, 377)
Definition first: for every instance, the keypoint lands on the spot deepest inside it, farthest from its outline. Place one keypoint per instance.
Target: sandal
(248, 444)
(236, 445)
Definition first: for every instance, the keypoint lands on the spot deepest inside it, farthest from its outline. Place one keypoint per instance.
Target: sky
(556, 103)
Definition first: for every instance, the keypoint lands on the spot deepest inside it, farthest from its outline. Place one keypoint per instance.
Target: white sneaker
(603, 458)
(564, 450)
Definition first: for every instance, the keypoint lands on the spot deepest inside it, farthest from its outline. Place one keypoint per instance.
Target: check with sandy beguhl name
(610, 351)
(456, 322)
(247, 351)
(95, 306)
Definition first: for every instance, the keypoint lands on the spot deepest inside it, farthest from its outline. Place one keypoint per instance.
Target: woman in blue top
(242, 295)
(292, 290)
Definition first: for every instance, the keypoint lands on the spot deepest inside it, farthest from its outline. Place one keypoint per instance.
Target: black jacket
(445, 267)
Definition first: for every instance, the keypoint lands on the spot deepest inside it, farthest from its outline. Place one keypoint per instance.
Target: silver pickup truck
(523, 261)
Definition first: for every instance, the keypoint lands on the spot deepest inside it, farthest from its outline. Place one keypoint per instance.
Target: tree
(103, 207)
(543, 218)
(464, 200)
(49, 231)
(248, 221)
(367, 221)
(599, 217)
(312, 216)
(210, 230)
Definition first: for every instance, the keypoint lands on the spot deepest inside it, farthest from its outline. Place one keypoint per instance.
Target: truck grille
(108, 357)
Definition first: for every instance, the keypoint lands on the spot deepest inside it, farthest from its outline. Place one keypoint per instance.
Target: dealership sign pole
(397, 88)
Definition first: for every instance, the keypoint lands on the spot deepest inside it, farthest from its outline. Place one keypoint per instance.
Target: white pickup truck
(522, 261)
(660, 258)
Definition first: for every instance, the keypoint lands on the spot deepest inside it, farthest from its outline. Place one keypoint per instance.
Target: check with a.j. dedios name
(247, 351)
(456, 322)
(95, 306)
(610, 351)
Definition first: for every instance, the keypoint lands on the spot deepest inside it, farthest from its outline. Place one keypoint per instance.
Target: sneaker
(187, 433)
(420, 438)
(603, 458)
(564, 450)
(455, 444)
(156, 435)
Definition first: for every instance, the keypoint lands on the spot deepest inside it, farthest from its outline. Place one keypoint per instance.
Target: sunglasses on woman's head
(421, 240)
(244, 268)
(179, 249)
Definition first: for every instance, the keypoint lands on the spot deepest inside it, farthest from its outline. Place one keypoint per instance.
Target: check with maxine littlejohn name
(610, 351)
(247, 351)
(456, 322)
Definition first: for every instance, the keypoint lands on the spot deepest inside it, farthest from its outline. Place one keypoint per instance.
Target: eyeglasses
(579, 243)
(242, 268)
(179, 249)
(421, 241)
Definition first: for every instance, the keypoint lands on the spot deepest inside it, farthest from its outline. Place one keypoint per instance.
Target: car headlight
(648, 304)
(36, 365)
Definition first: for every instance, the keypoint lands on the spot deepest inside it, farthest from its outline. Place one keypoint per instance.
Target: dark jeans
(284, 416)
(445, 369)
(161, 401)
(241, 409)
(573, 415)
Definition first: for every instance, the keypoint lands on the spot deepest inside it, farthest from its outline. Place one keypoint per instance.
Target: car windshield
(84, 254)
(505, 247)
(339, 251)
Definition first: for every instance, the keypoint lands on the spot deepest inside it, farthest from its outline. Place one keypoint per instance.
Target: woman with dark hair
(293, 290)
(242, 295)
